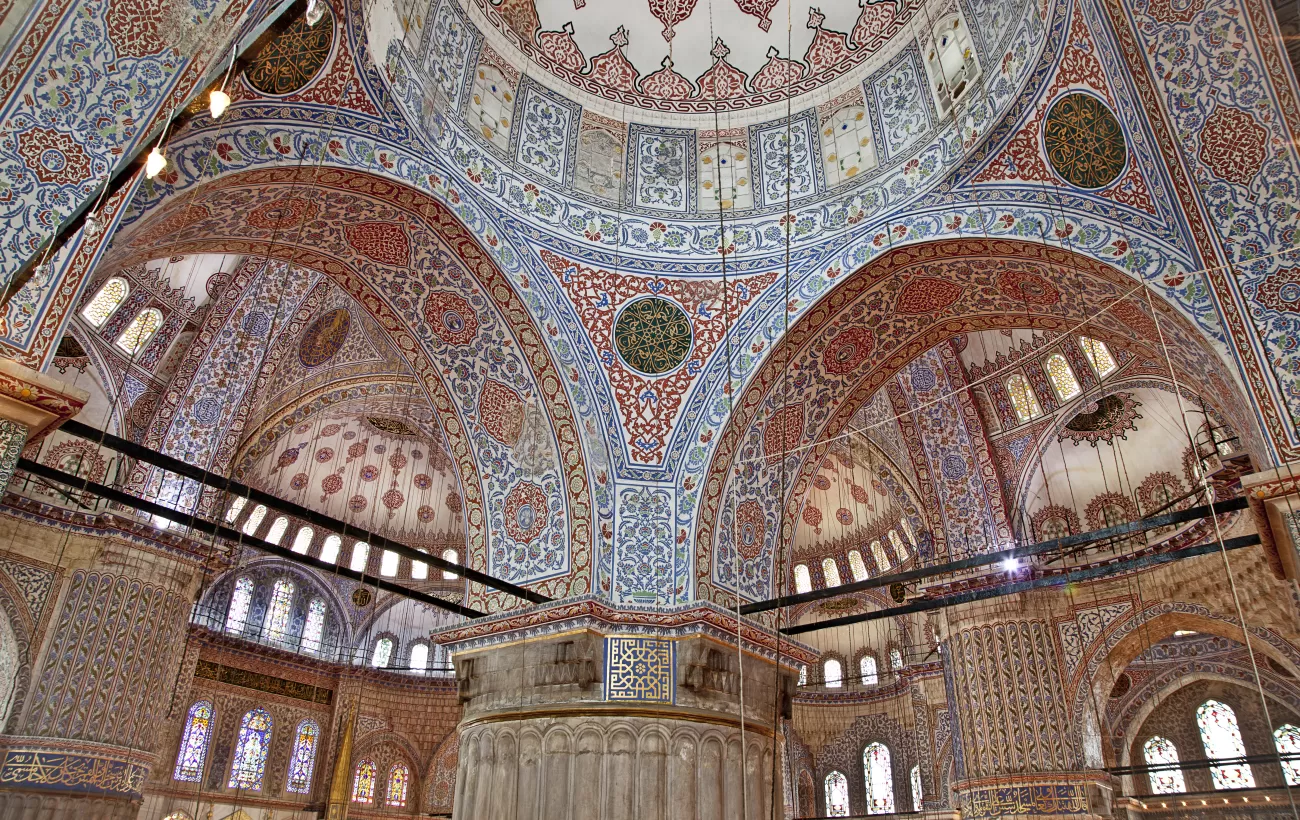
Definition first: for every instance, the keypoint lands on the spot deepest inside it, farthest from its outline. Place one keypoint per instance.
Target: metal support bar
(205, 526)
(132, 450)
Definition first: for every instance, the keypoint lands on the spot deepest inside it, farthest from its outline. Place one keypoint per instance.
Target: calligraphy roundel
(290, 61)
(652, 335)
(1084, 141)
(322, 338)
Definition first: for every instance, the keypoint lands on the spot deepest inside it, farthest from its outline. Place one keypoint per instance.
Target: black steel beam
(974, 562)
(228, 533)
(132, 450)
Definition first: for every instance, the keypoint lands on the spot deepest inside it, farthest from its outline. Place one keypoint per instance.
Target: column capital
(35, 400)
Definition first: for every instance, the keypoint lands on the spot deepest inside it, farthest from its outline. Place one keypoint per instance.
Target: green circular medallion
(1084, 141)
(652, 335)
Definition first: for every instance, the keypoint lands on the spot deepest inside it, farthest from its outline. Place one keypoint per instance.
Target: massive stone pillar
(583, 711)
(1019, 751)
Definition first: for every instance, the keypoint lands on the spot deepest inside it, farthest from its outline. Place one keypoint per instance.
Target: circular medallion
(898, 592)
(361, 597)
(291, 60)
(525, 512)
(1084, 141)
(652, 335)
(322, 339)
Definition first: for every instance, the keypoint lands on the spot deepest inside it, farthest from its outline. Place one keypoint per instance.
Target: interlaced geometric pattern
(653, 335)
(639, 669)
(1084, 141)
(290, 61)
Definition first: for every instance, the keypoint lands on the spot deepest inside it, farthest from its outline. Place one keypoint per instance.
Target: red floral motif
(667, 84)
(525, 512)
(384, 242)
(560, 47)
(860, 494)
(134, 27)
(783, 433)
(927, 295)
(451, 317)
(1136, 319)
(425, 513)
(1109, 509)
(501, 412)
(827, 50)
(331, 484)
(844, 516)
(1165, 12)
(848, 350)
(171, 225)
(1280, 291)
(1233, 145)
(670, 13)
(286, 212)
(723, 80)
(758, 8)
(777, 73)
(876, 22)
(821, 482)
(1028, 287)
(55, 158)
(812, 517)
(357, 503)
(393, 499)
(750, 528)
(614, 70)
(520, 16)
(454, 502)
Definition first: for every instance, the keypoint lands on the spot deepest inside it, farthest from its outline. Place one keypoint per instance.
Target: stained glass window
(802, 580)
(837, 795)
(880, 779)
(140, 331)
(830, 572)
(302, 541)
(878, 553)
(363, 783)
(899, 549)
(1098, 355)
(857, 566)
(177, 815)
(304, 757)
(329, 551)
(240, 601)
(250, 752)
(867, 668)
(255, 519)
(360, 554)
(454, 557)
(314, 627)
(803, 674)
(917, 800)
(398, 777)
(895, 660)
(420, 657)
(110, 295)
(832, 674)
(194, 743)
(236, 507)
(419, 569)
(277, 613)
(383, 651)
(388, 563)
(1022, 398)
(277, 530)
(1222, 739)
(1287, 739)
(1062, 377)
(907, 530)
(1159, 751)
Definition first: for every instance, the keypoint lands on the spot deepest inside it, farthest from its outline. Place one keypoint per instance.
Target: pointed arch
(249, 764)
(194, 743)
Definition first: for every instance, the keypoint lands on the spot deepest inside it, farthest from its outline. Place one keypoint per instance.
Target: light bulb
(1010, 565)
(315, 11)
(218, 102)
(154, 163)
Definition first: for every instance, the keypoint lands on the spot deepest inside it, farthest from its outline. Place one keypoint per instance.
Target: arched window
(236, 507)
(1098, 355)
(277, 613)
(803, 674)
(1222, 739)
(363, 783)
(398, 778)
(277, 530)
(388, 563)
(837, 795)
(1159, 751)
(360, 554)
(724, 178)
(177, 815)
(880, 779)
(194, 743)
(832, 674)
(255, 519)
(878, 553)
(1022, 398)
(895, 660)
(907, 530)
(314, 627)
(111, 294)
(304, 757)
(899, 549)
(302, 541)
(917, 799)
(950, 62)
(830, 572)
(491, 105)
(383, 652)
(1062, 377)
(250, 752)
(846, 139)
(802, 580)
(329, 551)
(140, 331)
(240, 601)
(419, 569)
(420, 657)
(857, 566)
(1287, 739)
(454, 557)
(867, 669)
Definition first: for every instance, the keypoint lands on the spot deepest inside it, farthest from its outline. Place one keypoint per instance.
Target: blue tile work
(794, 145)
(544, 134)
